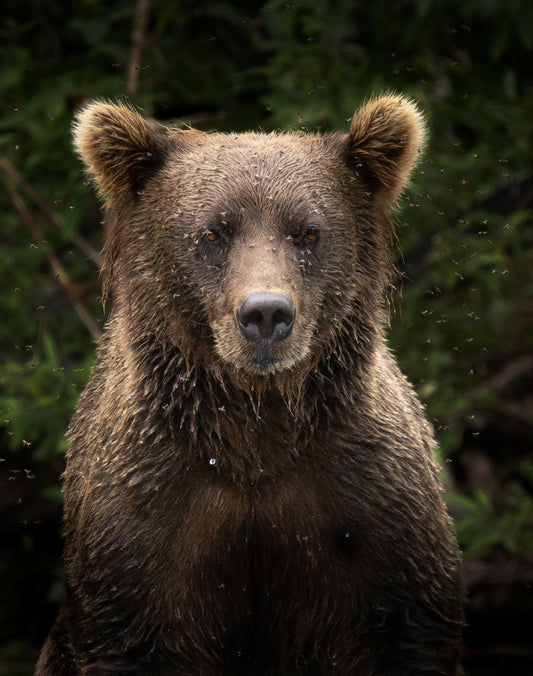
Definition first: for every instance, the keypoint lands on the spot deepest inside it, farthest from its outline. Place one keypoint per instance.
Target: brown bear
(251, 487)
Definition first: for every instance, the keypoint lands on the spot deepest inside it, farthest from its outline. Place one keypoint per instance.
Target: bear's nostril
(266, 317)
(279, 317)
(252, 318)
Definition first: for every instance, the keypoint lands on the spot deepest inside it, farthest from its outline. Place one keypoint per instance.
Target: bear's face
(257, 249)
(257, 230)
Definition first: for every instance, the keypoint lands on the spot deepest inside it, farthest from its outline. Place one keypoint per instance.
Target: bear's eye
(212, 235)
(307, 236)
(310, 236)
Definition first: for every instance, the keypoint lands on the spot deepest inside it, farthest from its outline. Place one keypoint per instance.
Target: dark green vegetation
(462, 316)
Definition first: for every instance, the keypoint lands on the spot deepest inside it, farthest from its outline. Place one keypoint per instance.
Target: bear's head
(252, 251)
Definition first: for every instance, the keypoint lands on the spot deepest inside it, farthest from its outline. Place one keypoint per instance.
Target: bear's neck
(250, 428)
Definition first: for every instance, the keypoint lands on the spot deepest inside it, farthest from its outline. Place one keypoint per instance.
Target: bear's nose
(266, 318)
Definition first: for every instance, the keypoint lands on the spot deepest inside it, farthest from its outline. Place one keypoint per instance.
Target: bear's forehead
(267, 169)
(257, 153)
(267, 178)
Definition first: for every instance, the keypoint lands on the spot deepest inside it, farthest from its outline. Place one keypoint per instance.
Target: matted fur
(236, 507)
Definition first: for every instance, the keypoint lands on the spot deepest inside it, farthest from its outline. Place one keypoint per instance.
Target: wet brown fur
(231, 512)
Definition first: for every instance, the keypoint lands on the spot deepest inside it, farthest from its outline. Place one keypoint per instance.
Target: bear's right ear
(119, 148)
(386, 138)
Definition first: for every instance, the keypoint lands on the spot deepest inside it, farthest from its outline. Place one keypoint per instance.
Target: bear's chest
(257, 559)
(269, 535)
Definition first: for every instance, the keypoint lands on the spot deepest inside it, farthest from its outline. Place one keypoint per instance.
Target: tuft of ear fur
(386, 139)
(119, 148)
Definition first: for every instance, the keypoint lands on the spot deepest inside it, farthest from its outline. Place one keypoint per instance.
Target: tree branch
(53, 260)
(138, 45)
(20, 182)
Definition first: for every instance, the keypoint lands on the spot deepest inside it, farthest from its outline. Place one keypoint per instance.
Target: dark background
(461, 317)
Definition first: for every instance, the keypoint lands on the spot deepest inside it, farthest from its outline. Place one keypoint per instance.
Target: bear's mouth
(265, 361)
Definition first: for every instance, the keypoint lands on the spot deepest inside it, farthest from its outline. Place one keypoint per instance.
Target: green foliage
(506, 527)
(32, 390)
(463, 309)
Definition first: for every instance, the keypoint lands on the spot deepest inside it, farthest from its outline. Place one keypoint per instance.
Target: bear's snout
(266, 318)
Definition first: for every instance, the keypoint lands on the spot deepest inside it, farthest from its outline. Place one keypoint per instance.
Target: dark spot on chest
(346, 542)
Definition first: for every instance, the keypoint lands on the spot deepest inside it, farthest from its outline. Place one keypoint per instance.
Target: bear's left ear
(386, 138)
(119, 148)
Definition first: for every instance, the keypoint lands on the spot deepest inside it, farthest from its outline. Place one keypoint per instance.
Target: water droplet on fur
(212, 461)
